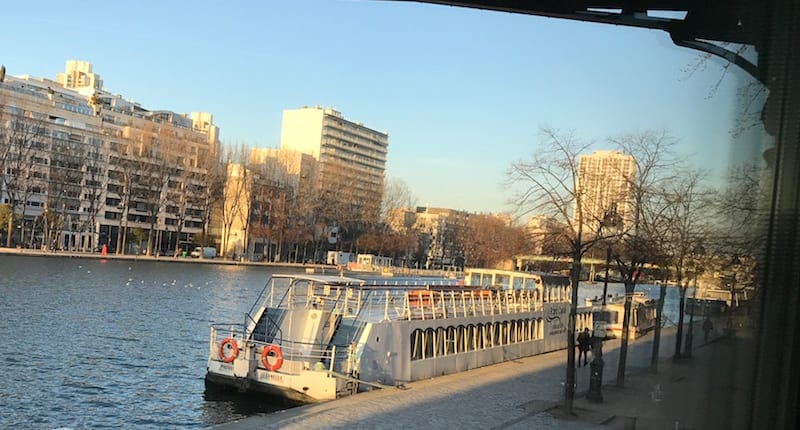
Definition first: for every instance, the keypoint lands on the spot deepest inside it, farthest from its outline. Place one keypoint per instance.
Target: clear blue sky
(462, 93)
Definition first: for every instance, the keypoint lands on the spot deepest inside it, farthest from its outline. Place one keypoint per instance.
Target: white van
(205, 252)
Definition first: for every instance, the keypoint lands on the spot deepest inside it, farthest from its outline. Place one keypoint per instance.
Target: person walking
(707, 327)
(584, 343)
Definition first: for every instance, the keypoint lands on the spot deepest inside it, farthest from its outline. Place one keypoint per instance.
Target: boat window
(522, 330)
(471, 337)
(427, 349)
(416, 344)
(461, 338)
(496, 334)
(441, 341)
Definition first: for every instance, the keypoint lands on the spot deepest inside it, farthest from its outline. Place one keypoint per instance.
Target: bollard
(595, 393)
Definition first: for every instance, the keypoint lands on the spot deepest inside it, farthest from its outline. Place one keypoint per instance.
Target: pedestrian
(584, 342)
(707, 327)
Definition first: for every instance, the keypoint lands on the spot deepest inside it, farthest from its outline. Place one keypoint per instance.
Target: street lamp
(735, 265)
(605, 280)
(595, 394)
(690, 333)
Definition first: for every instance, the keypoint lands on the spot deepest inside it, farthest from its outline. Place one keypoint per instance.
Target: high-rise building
(605, 185)
(352, 156)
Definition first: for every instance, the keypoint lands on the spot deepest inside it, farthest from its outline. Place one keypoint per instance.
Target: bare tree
(210, 190)
(547, 184)
(678, 219)
(235, 201)
(64, 185)
(396, 195)
(488, 241)
(94, 186)
(123, 175)
(640, 236)
(752, 95)
(20, 138)
(739, 210)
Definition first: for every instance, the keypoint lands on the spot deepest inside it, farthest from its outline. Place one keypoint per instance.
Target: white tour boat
(311, 338)
(642, 315)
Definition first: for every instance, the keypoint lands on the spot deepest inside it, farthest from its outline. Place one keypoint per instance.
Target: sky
(462, 93)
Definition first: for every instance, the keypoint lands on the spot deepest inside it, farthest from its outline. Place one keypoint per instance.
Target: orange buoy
(271, 348)
(231, 344)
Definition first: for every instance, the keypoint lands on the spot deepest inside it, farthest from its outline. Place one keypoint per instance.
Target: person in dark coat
(707, 327)
(584, 343)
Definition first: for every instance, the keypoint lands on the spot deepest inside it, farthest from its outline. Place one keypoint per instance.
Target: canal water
(116, 344)
(123, 344)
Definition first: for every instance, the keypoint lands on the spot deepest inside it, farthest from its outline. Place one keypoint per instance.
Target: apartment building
(82, 167)
(352, 156)
(438, 229)
(604, 182)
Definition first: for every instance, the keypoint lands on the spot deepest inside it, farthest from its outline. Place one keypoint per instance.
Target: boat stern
(242, 365)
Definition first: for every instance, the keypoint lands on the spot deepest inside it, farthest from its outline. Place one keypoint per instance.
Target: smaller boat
(613, 278)
(608, 318)
(713, 301)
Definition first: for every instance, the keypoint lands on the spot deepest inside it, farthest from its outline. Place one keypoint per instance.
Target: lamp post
(687, 352)
(595, 394)
(605, 280)
(735, 264)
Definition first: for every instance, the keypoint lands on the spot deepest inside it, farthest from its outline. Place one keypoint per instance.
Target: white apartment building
(84, 168)
(352, 156)
(605, 184)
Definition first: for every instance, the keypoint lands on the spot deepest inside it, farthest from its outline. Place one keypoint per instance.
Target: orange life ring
(278, 357)
(226, 342)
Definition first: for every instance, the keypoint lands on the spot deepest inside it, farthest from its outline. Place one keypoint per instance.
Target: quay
(688, 393)
(309, 267)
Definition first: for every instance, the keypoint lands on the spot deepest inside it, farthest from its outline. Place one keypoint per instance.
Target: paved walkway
(528, 393)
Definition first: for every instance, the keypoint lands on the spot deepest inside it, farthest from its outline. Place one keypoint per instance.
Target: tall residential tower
(604, 182)
(352, 157)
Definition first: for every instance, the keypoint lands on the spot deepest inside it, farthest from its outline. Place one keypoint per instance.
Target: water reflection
(220, 405)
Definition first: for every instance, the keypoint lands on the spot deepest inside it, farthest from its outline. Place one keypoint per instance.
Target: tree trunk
(575, 278)
(657, 330)
(150, 240)
(10, 227)
(626, 323)
(681, 309)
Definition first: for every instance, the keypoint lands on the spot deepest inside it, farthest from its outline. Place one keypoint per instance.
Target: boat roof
(322, 279)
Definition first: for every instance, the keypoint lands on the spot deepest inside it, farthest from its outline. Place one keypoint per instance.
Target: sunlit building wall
(349, 152)
(605, 184)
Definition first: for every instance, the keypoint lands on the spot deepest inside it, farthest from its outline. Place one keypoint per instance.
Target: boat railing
(424, 303)
(220, 331)
(296, 356)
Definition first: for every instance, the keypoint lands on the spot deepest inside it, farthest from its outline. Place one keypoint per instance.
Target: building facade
(82, 168)
(352, 157)
(605, 181)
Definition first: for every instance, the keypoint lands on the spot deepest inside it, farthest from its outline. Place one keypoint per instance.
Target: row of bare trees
(678, 220)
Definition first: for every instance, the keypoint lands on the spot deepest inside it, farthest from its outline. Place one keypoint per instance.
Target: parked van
(205, 252)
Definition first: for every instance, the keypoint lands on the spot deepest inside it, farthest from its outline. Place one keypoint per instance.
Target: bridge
(589, 261)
